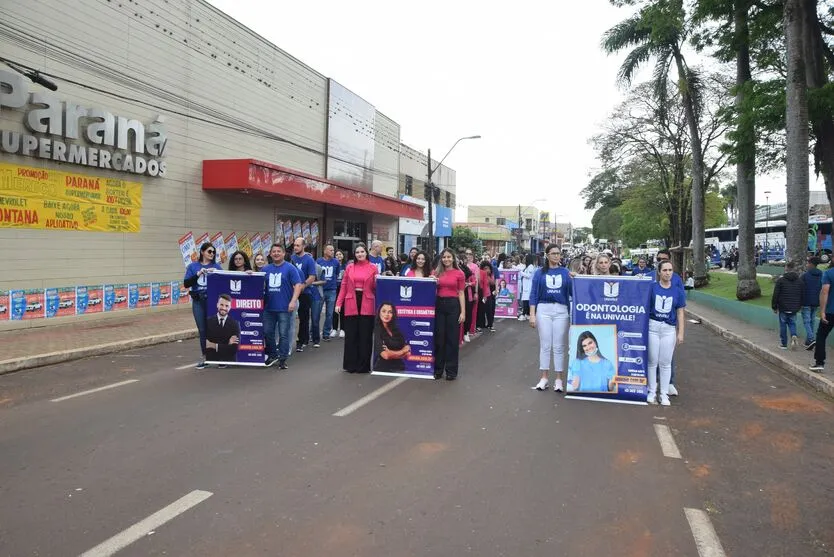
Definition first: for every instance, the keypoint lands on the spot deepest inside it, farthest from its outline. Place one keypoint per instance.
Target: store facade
(210, 132)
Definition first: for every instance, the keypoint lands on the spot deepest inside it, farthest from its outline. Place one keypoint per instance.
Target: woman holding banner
(390, 346)
(550, 294)
(666, 323)
(239, 261)
(358, 298)
(420, 267)
(602, 265)
(449, 315)
(196, 279)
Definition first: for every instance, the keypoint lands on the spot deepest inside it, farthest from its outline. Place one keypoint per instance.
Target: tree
(795, 21)
(463, 237)
(729, 194)
(660, 30)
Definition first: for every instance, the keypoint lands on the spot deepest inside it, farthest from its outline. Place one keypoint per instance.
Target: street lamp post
(767, 226)
(430, 187)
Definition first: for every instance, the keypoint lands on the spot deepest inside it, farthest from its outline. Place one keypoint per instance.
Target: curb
(814, 380)
(18, 364)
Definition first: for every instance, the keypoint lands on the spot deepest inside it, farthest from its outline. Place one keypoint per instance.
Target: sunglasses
(210, 251)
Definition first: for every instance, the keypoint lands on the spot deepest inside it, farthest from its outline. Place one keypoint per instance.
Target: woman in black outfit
(390, 347)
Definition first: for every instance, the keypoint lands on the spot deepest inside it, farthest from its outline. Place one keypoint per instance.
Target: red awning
(258, 176)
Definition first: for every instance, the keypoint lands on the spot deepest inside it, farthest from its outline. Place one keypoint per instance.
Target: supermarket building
(172, 123)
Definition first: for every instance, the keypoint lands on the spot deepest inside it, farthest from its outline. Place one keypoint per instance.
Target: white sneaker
(557, 386)
(793, 342)
(664, 400)
(341, 334)
(466, 338)
(521, 318)
(334, 333)
(541, 385)
(673, 391)
(652, 398)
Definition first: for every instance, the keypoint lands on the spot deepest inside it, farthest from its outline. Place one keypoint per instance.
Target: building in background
(495, 238)
(412, 188)
(521, 220)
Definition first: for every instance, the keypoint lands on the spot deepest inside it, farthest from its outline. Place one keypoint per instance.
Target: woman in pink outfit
(356, 303)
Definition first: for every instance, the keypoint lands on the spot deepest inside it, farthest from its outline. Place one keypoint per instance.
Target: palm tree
(797, 124)
(659, 30)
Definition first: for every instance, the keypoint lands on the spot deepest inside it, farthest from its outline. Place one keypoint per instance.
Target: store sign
(112, 142)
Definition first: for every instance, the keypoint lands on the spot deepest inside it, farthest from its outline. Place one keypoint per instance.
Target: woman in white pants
(666, 323)
(550, 295)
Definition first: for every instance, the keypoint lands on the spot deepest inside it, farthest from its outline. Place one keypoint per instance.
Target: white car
(119, 299)
(34, 306)
(94, 301)
(143, 297)
(164, 296)
(65, 304)
(2, 308)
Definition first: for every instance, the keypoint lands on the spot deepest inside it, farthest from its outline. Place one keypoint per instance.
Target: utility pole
(520, 231)
(430, 190)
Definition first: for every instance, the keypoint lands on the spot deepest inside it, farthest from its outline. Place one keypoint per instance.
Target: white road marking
(186, 366)
(706, 540)
(91, 391)
(667, 441)
(370, 397)
(148, 525)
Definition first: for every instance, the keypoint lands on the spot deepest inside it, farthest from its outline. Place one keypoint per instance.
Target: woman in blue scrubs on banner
(591, 371)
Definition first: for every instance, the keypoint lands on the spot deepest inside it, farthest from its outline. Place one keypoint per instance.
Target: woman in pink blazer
(356, 303)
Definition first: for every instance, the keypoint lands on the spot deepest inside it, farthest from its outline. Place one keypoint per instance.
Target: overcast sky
(529, 77)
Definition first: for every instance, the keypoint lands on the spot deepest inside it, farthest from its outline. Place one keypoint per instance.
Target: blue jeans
(198, 308)
(282, 320)
(786, 320)
(329, 304)
(315, 319)
(809, 319)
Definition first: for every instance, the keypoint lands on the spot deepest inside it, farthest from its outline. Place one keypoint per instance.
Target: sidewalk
(35, 347)
(764, 344)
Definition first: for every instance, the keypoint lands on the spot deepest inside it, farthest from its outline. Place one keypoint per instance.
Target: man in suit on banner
(222, 333)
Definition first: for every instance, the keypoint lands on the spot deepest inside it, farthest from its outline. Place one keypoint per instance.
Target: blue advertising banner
(404, 327)
(234, 327)
(608, 342)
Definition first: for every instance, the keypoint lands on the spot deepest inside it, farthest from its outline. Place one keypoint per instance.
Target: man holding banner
(235, 334)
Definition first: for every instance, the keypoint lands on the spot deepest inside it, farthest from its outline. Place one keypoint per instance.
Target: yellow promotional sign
(54, 200)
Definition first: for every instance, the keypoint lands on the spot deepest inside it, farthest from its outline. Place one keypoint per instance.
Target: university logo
(611, 289)
(328, 272)
(663, 304)
(275, 280)
(405, 292)
(553, 281)
(235, 286)
(202, 280)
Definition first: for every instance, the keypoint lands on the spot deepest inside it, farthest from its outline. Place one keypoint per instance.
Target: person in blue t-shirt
(310, 298)
(666, 323)
(641, 270)
(282, 288)
(826, 320)
(550, 292)
(591, 371)
(329, 266)
(375, 256)
(196, 279)
(664, 255)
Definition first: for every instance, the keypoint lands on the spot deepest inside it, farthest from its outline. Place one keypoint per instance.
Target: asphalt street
(242, 461)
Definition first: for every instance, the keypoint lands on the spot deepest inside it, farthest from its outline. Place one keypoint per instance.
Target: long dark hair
(426, 264)
(529, 259)
(580, 353)
(203, 247)
(246, 265)
(392, 326)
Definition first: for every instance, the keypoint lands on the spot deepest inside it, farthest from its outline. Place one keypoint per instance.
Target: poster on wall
(4, 305)
(314, 233)
(27, 304)
(255, 242)
(403, 342)
(156, 294)
(219, 248)
(132, 295)
(244, 245)
(60, 302)
(202, 239)
(279, 233)
(188, 249)
(234, 326)
(266, 243)
(165, 294)
(120, 297)
(89, 299)
(297, 231)
(231, 243)
(305, 232)
(109, 296)
(143, 298)
(608, 341)
(506, 302)
(288, 236)
(38, 198)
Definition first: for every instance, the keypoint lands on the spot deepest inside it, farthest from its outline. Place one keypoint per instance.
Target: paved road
(481, 466)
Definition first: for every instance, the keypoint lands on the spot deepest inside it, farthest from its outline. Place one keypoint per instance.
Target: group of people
(465, 306)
